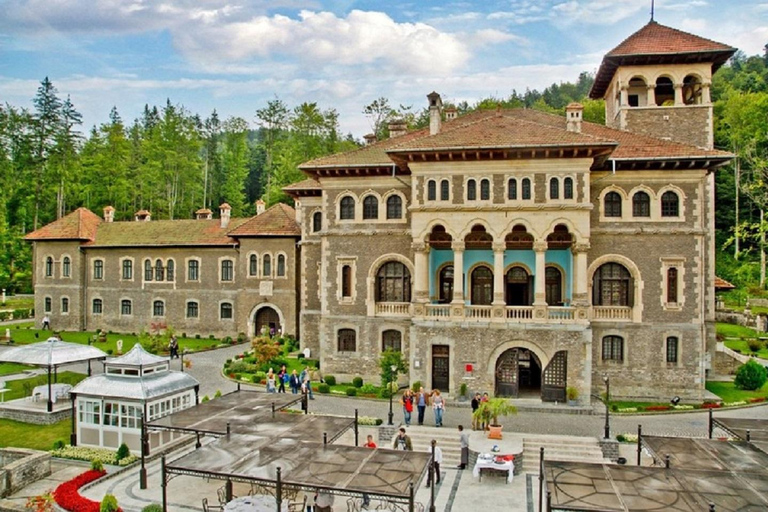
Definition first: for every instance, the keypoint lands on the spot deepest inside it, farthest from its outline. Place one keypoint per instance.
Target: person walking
(436, 465)
(464, 442)
(294, 382)
(422, 401)
(173, 347)
(438, 407)
(402, 441)
(475, 406)
(305, 377)
(407, 403)
(282, 378)
(485, 398)
(271, 382)
(46, 323)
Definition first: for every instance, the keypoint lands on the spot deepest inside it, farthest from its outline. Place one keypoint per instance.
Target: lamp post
(393, 369)
(607, 406)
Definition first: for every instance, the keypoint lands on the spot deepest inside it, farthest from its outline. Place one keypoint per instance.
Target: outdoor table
(488, 461)
(58, 391)
(257, 503)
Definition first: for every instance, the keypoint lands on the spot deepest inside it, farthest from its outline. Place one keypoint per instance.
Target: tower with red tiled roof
(657, 81)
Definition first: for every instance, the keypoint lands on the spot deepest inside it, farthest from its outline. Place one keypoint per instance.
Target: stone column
(499, 249)
(540, 290)
(580, 280)
(421, 264)
(706, 97)
(651, 95)
(458, 272)
(624, 95)
(679, 94)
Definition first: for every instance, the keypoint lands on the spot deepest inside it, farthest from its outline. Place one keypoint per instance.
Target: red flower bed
(657, 408)
(68, 497)
(710, 405)
(757, 400)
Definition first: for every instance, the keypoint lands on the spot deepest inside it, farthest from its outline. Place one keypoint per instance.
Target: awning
(50, 353)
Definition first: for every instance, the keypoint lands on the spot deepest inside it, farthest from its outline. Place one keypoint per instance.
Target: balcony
(509, 314)
(402, 309)
(612, 313)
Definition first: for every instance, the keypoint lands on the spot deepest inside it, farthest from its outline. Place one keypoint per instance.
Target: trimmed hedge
(357, 382)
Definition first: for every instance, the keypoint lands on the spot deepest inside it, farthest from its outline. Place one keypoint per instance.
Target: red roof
(722, 284)
(81, 224)
(279, 220)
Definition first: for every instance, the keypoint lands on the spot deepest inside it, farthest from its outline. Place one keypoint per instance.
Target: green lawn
(11, 368)
(741, 346)
(18, 303)
(735, 331)
(730, 393)
(23, 387)
(34, 437)
(23, 336)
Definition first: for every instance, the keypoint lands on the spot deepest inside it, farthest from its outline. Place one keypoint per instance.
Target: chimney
(435, 112)
(397, 127)
(260, 207)
(573, 114)
(109, 214)
(143, 216)
(203, 214)
(369, 138)
(451, 113)
(224, 211)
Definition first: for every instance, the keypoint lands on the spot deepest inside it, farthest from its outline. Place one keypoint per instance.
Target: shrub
(205, 399)
(259, 376)
(241, 337)
(463, 389)
(109, 504)
(58, 445)
(416, 386)
(96, 465)
(351, 391)
(153, 508)
(368, 389)
(122, 452)
(109, 351)
(657, 408)
(330, 380)
(300, 355)
(754, 345)
(385, 393)
(323, 388)
(357, 382)
(217, 394)
(750, 376)
(228, 339)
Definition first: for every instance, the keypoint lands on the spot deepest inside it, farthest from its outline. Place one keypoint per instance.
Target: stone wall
(20, 467)
(35, 417)
(686, 124)
(723, 364)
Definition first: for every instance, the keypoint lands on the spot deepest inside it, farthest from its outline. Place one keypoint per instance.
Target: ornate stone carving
(458, 245)
(540, 246)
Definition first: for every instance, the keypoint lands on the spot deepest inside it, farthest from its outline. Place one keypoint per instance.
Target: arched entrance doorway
(519, 374)
(267, 320)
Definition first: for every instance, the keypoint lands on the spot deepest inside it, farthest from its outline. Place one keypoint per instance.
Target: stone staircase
(447, 439)
(565, 448)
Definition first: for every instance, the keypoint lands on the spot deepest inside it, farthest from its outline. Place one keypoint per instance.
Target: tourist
(402, 441)
(475, 406)
(436, 466)
(46, 323)
(271, 382)
(369, 444)
(484, 399)
(305, 377)
(438, 407)
(407, 402)
(422, 401)
(173, 347)
(464, 442)
(305, 394)
(295, 382)
(282, 378)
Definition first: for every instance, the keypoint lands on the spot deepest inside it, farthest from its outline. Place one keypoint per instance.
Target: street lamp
(392, 374)
(607, 406)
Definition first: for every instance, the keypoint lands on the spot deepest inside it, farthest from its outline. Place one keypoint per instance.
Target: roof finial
(653, 2)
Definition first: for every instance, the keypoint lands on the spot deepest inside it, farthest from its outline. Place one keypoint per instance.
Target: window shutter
(631, 293)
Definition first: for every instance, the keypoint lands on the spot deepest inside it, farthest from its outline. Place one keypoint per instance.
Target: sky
(236, 55)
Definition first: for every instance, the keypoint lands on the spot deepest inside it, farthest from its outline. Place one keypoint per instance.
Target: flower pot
(494, 431)
(573, 403)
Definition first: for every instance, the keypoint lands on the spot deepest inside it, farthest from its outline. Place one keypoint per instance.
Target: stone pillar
(651, 95)
(499, 248)
(421, 279)
(540, 290)
(706, 97)
(579, 283)
(458, 273)
(624, 101)
(679, 94)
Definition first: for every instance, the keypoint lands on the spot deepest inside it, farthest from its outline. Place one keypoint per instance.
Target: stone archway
(266, 316)
(518, 374)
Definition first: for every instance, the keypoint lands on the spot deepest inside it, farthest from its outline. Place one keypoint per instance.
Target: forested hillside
(171, 161)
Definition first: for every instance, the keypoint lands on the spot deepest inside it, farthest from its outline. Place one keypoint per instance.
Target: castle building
(515, 251)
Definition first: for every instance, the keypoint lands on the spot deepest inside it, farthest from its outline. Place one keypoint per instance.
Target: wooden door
(441, 367)
(507, 383)
(555, 378)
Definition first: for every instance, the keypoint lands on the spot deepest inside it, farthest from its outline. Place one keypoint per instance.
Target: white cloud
(490, 36)
(596, 12)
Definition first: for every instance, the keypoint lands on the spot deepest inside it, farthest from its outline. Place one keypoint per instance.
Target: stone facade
(20, 467)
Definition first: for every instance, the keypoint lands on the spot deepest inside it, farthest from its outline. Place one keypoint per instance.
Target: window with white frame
(66, 267)
(126, 307)
(148, 270)
(225, 311)
(613, 348)
(111, 414)
(158, 308)
(193, 270)
(280, 265)
(64, 305)
(127, 270)
(49, 266)
(193, 309)
(98, 269)
(227, 270)
(89, 412)
(97, 306)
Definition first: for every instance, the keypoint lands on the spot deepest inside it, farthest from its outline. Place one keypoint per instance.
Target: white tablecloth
(58, 391)
(485, 463)
(257, 503)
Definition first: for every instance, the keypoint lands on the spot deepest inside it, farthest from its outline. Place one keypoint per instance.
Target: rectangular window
(672, 285)
(126, 307)
(130, 416)
(227, 270)
(48, 304)
(98, 269)
(64, 305)
(672, 349)
(346, 281)
(89, 412)
(98, 306)
(192, 310)
(613, 348)
(127, 270)
(148, 271)
(193, 270)
(111, 414)
(226, 311)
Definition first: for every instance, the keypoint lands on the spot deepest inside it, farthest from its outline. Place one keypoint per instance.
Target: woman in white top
(271, 382)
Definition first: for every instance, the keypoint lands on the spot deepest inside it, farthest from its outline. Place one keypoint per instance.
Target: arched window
(554, 188)
(446, 284)
(394, 207)
(482, 286)
(670, 204)
(672, 285)
(613, 348)
(526, 192)
(266, 270)
(148, 272)
(127, 270)
(64, 305)
(612, 286)
(126, 307)
(665, 92)
(637, 95)
(641, 205)
(158, 308)
(227, 270)
(346, 281)
(98, 269)
(393, 283)
(445, 190)
(280, 265)
(347, 340)
(553, 279)
(66, 268)
(317, 222)
(392, 340)
(612, 204)
(48, 267)
(170, 270)
(159, 271)
(471, 190)
(193, 309)
(512, 189)
(692, 90)
(347, 208)
(225, 311)
(253, 265)
(431, 190)
(97, 306)
(568, 188)
(673, 345)
(370, 208)
(485, 190)
(193, 270)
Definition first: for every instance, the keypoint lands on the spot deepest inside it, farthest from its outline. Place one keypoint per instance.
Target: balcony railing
(561, 313)
(478, 312)
(393, 308)
(519, 313)
(510, 314)
(439, 311)
(611, 313)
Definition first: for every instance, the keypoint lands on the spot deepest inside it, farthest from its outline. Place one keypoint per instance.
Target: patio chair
(210, 508)
(221, 492)
(298, 506)
(354, 504)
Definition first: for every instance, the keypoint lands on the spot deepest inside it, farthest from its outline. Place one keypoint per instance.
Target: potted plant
(463, 392)
(572, 394)
(489, 413)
